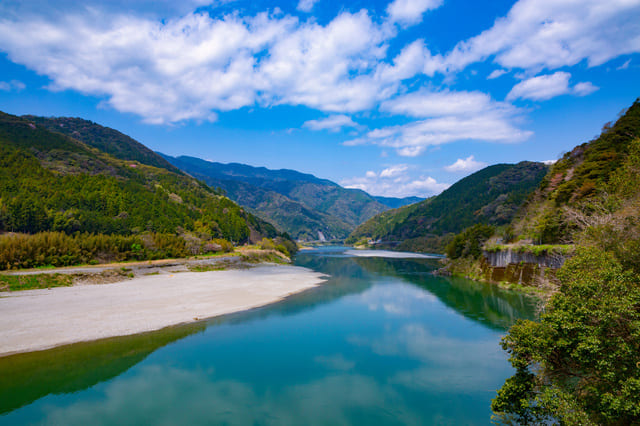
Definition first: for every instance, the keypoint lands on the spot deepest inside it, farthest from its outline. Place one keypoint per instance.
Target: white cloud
(625, 65)
(333, 123)
(408, 12)
(496, 73)
(446, 117)
(542, 87)
(306, 5)
(549, 162)
(425, 103)
(584, 89)
(10, 86)
(538, 34)
(545, 87)
(466, 165)
(396, 181)
(196, 65)
(394, 171)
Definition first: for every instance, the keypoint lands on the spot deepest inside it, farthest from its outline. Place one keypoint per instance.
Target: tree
(581, 363)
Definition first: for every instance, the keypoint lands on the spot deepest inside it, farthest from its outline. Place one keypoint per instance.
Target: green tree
(581, 363)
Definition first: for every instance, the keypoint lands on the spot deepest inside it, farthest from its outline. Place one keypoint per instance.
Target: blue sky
(400, 97)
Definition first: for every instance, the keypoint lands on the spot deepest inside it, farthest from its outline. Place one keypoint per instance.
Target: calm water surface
(382, 342)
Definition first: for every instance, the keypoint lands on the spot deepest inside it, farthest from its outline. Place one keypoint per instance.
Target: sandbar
(40, 319)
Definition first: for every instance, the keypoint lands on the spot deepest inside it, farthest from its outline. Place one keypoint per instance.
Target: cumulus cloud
(306, 5)
(550, 34)
(542, 87)
(396, 181)
(333, 123)
(196, 65)
(11, 86)
(409, 12)
(466, 165)
(447, 116)
(545, 87)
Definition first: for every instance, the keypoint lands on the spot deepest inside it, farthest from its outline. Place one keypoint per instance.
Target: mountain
(491, 196)
(52, 182)
(592, 179)
(103, 138)
(306, 207)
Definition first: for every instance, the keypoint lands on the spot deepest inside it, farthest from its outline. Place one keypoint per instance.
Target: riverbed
(382, 341)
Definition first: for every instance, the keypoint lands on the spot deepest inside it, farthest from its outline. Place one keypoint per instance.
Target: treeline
(19, 251)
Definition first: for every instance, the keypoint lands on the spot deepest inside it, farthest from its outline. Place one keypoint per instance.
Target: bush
(469, 242)
(579, 365)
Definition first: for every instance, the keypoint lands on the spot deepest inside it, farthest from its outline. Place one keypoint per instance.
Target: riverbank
(32, 320)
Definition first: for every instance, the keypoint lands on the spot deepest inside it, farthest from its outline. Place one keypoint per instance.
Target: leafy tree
(469, 242)
(581, 363)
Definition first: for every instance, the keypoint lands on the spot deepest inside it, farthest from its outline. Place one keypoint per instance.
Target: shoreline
(34, 320)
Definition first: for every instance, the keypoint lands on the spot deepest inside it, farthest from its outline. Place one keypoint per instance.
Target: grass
(32, 282)
(207, 268)
(263, 256)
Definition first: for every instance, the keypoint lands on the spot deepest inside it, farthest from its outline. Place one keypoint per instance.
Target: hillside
(50, 182)
(489, 196)
(103, 138)
(577, 185)
(300, 204)
(579, 363)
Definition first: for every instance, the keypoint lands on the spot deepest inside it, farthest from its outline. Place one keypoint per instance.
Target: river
(383, 341)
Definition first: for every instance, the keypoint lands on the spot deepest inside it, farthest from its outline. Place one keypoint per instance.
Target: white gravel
(40, 319)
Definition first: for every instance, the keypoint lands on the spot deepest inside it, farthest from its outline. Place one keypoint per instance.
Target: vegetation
(32, 282)
(79, 204)
(537, 250)
(299, 204)
(105, 139)
(580, 363)
(469, 243)
(573, 188)
(491, 196)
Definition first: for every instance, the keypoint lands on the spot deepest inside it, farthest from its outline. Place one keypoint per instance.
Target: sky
(398, 98)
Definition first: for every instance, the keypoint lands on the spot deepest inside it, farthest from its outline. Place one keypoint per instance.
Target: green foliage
(607, 167)
(469, 242)
(579, 365)
(297, 203)
(50, 182)
(32, 282)
(490, 196)
(103, 138)
(284, 246)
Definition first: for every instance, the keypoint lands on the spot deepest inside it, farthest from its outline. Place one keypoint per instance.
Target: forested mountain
(52, 182)
(584, 184)
(300, 204)
(103, 138)
(579, 363)
(490, 196)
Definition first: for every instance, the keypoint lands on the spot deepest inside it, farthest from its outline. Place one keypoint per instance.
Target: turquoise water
(382, 342)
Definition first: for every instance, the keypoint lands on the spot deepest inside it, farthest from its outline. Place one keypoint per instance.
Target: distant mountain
(394, 203)
(491, 195)
(52, 182)
(306, 207)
